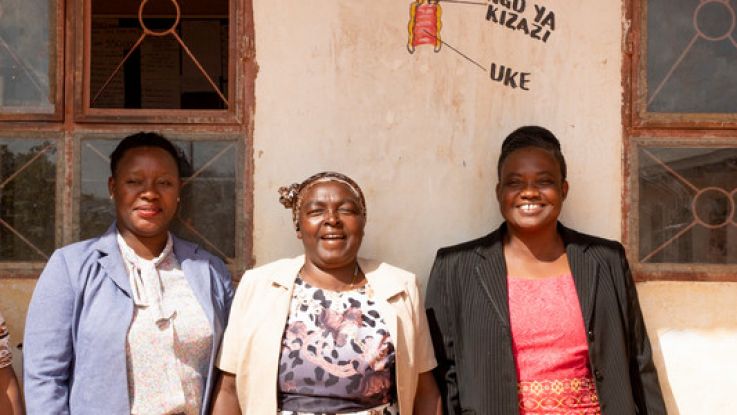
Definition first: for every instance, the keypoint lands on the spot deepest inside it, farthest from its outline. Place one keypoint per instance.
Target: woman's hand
(225, 401)
(427, 398)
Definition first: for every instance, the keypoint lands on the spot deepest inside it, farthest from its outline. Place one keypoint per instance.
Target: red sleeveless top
(550, 348)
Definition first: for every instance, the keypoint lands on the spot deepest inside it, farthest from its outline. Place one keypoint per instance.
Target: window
(30, 61)
(681, 139)
(142, 59)
(158, 55)
(168, 66)
(207, 211)
(28, 171)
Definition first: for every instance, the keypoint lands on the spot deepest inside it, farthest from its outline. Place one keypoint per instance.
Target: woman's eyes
(161, 182)
(343, 210)
(541, 182)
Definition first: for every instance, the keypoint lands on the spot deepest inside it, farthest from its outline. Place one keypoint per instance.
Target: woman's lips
(333, 239)
(147, 212)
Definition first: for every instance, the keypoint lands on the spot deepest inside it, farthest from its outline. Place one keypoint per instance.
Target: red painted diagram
(424, 24)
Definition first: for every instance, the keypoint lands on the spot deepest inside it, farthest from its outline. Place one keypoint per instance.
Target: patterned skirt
(574, 396)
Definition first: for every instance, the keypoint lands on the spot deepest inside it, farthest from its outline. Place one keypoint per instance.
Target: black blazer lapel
(491, 273)
(585, 272)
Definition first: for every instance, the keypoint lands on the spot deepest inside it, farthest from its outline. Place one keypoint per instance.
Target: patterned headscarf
(291, 196)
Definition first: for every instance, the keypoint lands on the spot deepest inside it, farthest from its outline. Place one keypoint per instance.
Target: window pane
(96, 211)
(208, 201)
(165, 63)
(691, 56)
(27, 199)
(27, 56)
(687, 205)
(207, 210)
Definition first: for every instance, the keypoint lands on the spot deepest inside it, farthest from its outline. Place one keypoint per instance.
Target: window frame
(669, 271)
(69, 123)
(242, 240)
(642, 128)
(237, 49)
(27, 268)
(636, 47)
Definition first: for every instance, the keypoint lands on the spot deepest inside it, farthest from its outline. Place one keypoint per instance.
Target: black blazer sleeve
(438, 302)
(643, 376)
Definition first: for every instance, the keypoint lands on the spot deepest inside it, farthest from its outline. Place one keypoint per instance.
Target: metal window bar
(699, 35)
(696, 219)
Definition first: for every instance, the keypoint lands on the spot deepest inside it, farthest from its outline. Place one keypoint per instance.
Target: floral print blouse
(337, 354)
(6, 357)
(168, 359)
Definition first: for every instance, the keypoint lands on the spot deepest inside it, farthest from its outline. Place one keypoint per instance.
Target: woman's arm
(427, 397)
(225, 401)
(643, 376)
(47, 345)
(10, 399)
(439, 318)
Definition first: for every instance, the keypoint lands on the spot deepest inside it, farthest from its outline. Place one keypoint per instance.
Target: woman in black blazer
(535, 317)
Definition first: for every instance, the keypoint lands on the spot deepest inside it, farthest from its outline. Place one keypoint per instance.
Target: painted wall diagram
(424, 24)
(534, 21)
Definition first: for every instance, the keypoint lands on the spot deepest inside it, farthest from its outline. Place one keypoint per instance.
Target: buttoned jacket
(76, 331)
(468, 311)
(252, 342)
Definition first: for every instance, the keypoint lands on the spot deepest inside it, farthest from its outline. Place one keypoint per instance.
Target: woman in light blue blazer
(129, 322)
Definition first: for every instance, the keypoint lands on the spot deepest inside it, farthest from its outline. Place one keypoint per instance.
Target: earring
(178, 199)
(111, 197)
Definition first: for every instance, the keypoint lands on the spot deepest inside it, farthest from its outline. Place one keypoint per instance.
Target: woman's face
(330, 225)
(531, 190)
(145, 189)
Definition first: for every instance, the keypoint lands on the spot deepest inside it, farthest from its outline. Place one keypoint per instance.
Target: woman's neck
(145, 247)
(334, 279)
(535, 255)
(544, 246)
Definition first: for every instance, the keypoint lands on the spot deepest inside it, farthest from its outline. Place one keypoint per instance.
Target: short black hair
(532, 136)
(147, 139)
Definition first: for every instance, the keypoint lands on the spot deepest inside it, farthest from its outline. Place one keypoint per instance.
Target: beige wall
(337, 90)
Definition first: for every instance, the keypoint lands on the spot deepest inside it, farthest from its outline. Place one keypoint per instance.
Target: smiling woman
(128, 322)
(145, 186)
(327, 332)
(548, 318)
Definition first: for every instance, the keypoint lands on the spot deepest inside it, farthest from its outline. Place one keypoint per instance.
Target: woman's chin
(336, 260)
(148, 229)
